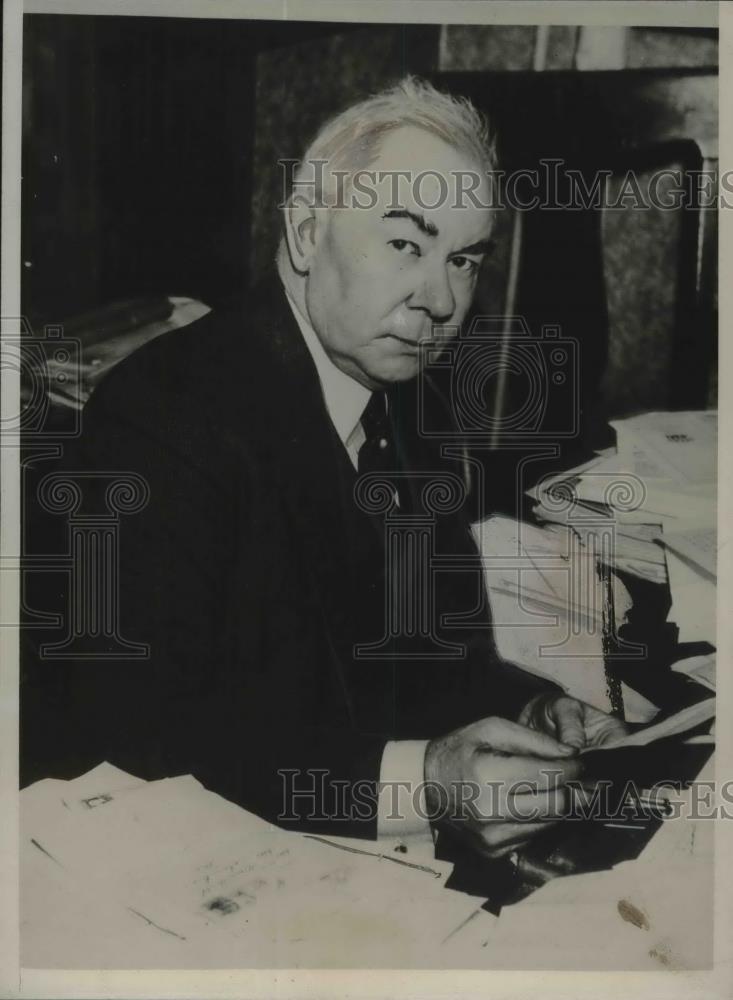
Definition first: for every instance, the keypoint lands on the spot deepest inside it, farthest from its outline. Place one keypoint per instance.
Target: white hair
(351, 141)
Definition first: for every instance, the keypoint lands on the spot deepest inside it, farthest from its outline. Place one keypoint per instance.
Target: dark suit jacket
(252, 573)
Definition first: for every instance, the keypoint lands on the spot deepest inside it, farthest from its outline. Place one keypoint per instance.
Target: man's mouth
(407, 342)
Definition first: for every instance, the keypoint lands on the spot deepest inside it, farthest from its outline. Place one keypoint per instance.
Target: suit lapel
(340, 543)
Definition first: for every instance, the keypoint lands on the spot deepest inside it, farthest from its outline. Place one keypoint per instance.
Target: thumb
(567, 714)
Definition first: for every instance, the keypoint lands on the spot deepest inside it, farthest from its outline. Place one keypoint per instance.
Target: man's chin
(396, 369)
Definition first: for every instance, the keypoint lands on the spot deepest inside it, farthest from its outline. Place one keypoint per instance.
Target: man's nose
(435, 296)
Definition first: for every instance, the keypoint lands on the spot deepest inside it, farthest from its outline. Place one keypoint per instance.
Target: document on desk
(614, 495)
(547, 599)
(655, 498)
(693, 600)
(675, 725)
(231, 886)
(698, 547)
(699, 668)
(682, 443)
(663, 470)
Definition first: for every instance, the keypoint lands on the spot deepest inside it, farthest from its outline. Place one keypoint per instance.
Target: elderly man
(260, 572)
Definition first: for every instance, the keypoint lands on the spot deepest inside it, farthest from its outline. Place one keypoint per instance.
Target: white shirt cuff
(401, 809)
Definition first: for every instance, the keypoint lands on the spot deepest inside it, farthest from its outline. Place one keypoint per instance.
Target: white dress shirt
(401, 773)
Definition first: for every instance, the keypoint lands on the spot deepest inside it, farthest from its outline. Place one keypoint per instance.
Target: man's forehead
(423, 175)
(414, 148)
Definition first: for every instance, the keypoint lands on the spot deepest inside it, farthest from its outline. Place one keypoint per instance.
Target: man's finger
(539, 807)
(539, 773)
(510, 737)
(567, 713)
(501, 805)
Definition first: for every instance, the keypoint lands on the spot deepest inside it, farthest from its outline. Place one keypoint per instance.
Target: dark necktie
(377, 454)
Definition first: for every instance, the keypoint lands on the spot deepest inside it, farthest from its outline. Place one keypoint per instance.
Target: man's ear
(302, 229)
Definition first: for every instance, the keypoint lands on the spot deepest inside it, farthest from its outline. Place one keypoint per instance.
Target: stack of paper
(548, 603)
(663, 472)
(681, 445)
(698, 668)
(182, 876)
(657, 490)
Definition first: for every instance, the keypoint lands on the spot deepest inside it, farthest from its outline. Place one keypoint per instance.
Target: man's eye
(465, 264)
(405, 246)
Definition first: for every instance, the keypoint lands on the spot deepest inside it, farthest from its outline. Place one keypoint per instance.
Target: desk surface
(373, 914)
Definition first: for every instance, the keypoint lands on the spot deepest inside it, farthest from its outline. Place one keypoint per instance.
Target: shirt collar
(345, 397)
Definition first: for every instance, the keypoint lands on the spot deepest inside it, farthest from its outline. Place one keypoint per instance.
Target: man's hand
(498, 783)
(571, 721)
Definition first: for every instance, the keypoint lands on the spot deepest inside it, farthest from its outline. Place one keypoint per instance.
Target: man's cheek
(441, 337)
(463, 296)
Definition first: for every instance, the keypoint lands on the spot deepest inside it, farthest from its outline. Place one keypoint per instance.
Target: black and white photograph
(360, 492)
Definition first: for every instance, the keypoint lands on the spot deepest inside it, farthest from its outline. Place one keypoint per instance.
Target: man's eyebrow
(480, 246)
(422, 224)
